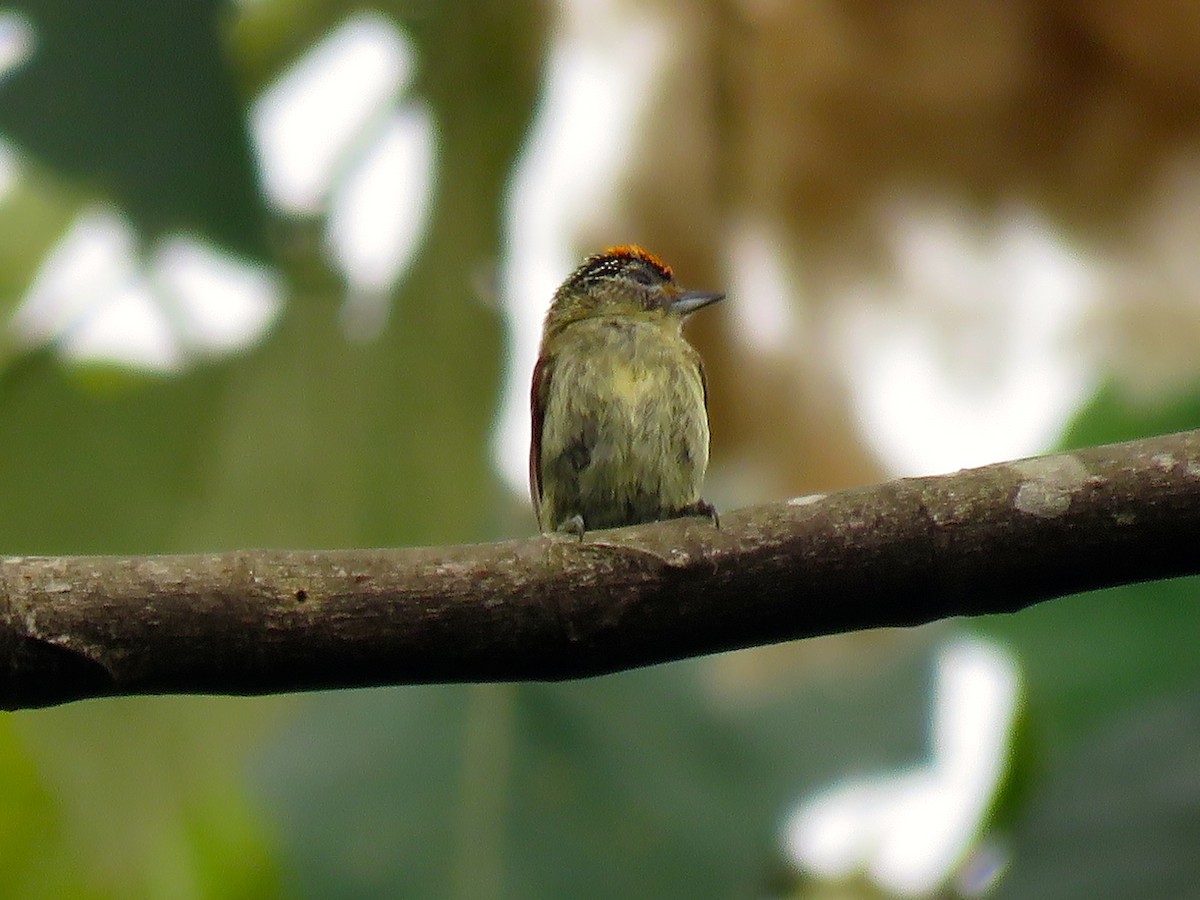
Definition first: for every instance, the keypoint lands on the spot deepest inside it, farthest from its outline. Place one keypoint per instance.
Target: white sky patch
(909, 830)
(220, 304)
(600, 78)
(18, 40)
(100, 301)
(310, 117)
(89, 265)
(335, 136)
(378, 215)
(130, 329)
(974, 355)
(764, 290)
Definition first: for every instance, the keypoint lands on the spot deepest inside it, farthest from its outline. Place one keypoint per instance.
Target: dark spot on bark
(301, 595)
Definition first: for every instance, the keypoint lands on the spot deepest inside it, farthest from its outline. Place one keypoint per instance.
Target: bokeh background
(272, 275)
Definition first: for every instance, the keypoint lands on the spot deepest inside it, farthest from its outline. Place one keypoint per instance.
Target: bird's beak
(690, 301)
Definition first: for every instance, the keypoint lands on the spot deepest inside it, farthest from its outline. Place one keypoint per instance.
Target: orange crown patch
(633, 251)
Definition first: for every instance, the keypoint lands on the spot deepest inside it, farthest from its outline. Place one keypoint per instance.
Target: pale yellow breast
(625, 434)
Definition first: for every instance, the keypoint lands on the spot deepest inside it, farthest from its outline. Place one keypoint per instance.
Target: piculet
(619, 399)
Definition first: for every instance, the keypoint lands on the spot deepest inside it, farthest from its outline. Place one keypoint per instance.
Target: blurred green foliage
(136, 99)
(1089, 658)
(1110, 811)
(650, 783)
(654, 783)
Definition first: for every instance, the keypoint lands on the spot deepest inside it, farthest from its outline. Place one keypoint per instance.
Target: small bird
(619, 399)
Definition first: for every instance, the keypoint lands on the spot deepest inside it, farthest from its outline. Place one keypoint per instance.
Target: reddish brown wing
(537, 407)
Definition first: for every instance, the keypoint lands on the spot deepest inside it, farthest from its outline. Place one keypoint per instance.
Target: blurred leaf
(269, 35)
(1089, 662)
(1090, 657)
(103, 467)
(1111, 416)
(29, 826)
(1120, 817)
(33, 215)
(643, 784)
(137, 100)
(146, 798)
(323, 443)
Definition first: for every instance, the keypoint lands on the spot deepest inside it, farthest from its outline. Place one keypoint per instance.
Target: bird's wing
(537, 407)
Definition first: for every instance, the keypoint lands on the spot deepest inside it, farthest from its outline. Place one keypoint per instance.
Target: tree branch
(995, 539)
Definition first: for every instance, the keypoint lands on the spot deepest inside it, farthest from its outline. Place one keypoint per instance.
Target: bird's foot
(573, 526)
(702, 508)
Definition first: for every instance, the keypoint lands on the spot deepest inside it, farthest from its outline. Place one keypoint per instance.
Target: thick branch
(988, 540)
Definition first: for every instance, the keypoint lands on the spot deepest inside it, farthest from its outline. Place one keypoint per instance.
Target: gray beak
(690, 301)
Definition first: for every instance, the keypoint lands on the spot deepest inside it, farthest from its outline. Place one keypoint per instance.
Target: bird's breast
(625, 432)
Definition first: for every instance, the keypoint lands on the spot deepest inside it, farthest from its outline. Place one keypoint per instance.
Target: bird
(619, 399)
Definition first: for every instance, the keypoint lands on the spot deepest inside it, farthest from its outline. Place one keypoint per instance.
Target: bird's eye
(641, 276)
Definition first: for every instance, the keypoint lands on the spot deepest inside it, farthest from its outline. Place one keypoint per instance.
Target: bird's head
(623, 281)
